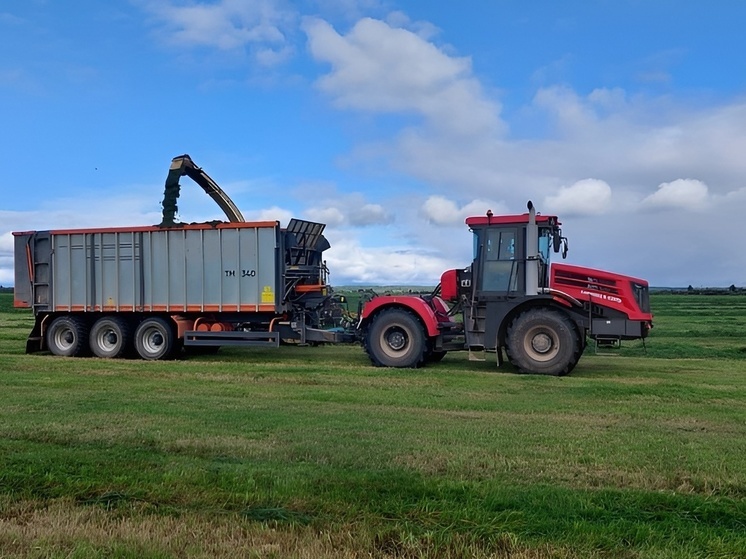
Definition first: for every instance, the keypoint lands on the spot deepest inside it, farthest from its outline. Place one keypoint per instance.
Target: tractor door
(502, 264)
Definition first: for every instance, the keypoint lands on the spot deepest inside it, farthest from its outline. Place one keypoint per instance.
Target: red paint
(510, 220)
(449, 285)
(601, 287)
(414, 303)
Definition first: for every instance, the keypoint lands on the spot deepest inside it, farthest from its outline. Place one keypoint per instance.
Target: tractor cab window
(500, 244)
(545, 243)
(500, 270)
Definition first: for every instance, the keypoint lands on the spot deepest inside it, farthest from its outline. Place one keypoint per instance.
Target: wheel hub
(541, 343)
(396, 340)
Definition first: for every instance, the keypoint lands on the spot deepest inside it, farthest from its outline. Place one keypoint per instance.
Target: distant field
(311, 452)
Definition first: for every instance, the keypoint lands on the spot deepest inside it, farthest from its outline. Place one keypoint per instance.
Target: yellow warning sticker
(268, 296)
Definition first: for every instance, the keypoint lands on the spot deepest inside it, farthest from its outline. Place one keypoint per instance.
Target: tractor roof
(520, 219)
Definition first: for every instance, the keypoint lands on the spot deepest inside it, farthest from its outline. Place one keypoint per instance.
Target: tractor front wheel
(543, 341)
(395, 338)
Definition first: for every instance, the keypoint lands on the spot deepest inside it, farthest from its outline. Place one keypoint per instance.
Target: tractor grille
(583, 280)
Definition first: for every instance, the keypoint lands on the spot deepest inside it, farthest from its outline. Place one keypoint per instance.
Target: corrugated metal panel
(174, 270)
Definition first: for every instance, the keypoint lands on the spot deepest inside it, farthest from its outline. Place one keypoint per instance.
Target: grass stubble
(310, 452)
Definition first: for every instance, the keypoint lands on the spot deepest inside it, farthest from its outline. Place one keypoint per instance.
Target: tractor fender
(418, 306)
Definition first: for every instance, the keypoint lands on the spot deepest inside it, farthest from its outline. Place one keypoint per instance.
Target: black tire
(67, 336)
(154, 339)
(110, 337)
(395, 338)
(543, 341)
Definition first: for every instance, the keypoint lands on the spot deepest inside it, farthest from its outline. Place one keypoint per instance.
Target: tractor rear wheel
(395, 338)
(543, 341)
(67, 336)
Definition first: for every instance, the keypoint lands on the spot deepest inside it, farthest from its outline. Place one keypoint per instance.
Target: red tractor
(510, 299)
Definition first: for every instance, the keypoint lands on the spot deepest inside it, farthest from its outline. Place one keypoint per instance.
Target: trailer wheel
(109, 337)
(67, 336)
(154, 339)
(543, 341)
(395, 339)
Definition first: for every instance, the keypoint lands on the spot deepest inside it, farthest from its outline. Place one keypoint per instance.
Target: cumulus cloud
(443, 211)
(274, 213)
(333, 217)
(379, 68)
(585, 197)
(228, 25)
(349, 209)
(369, 214)
(351, 262)
(685, 194)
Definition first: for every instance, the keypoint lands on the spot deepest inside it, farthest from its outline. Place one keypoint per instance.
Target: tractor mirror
(557, 241)
(564, 247)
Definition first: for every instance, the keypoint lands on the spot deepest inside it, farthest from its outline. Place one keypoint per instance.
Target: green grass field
(311, 452)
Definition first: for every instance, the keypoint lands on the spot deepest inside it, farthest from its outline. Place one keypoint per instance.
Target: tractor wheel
(67, 336)
(154, 339)
(109, 337)
(543, 341)
(395, 339)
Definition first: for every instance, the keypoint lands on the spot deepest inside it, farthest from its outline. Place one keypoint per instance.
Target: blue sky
(390, 121)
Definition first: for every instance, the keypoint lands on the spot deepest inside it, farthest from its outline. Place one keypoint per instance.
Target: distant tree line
(6, 289)
(732, 290)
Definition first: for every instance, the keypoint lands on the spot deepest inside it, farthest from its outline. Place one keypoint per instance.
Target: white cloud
(332, 217)
(228, 25)
(440, 210)
(274, 213)
(685, 194)
(351, 262)
(423, 29)
(369, 214)
(348, 209)
(585, 197)
(380, 68)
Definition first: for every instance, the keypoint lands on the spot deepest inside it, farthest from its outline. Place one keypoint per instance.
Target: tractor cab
(511, 256)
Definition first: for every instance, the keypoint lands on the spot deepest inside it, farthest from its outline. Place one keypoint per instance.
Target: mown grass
(310, 452)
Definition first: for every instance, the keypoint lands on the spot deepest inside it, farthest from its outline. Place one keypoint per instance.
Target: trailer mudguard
(415, 304)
